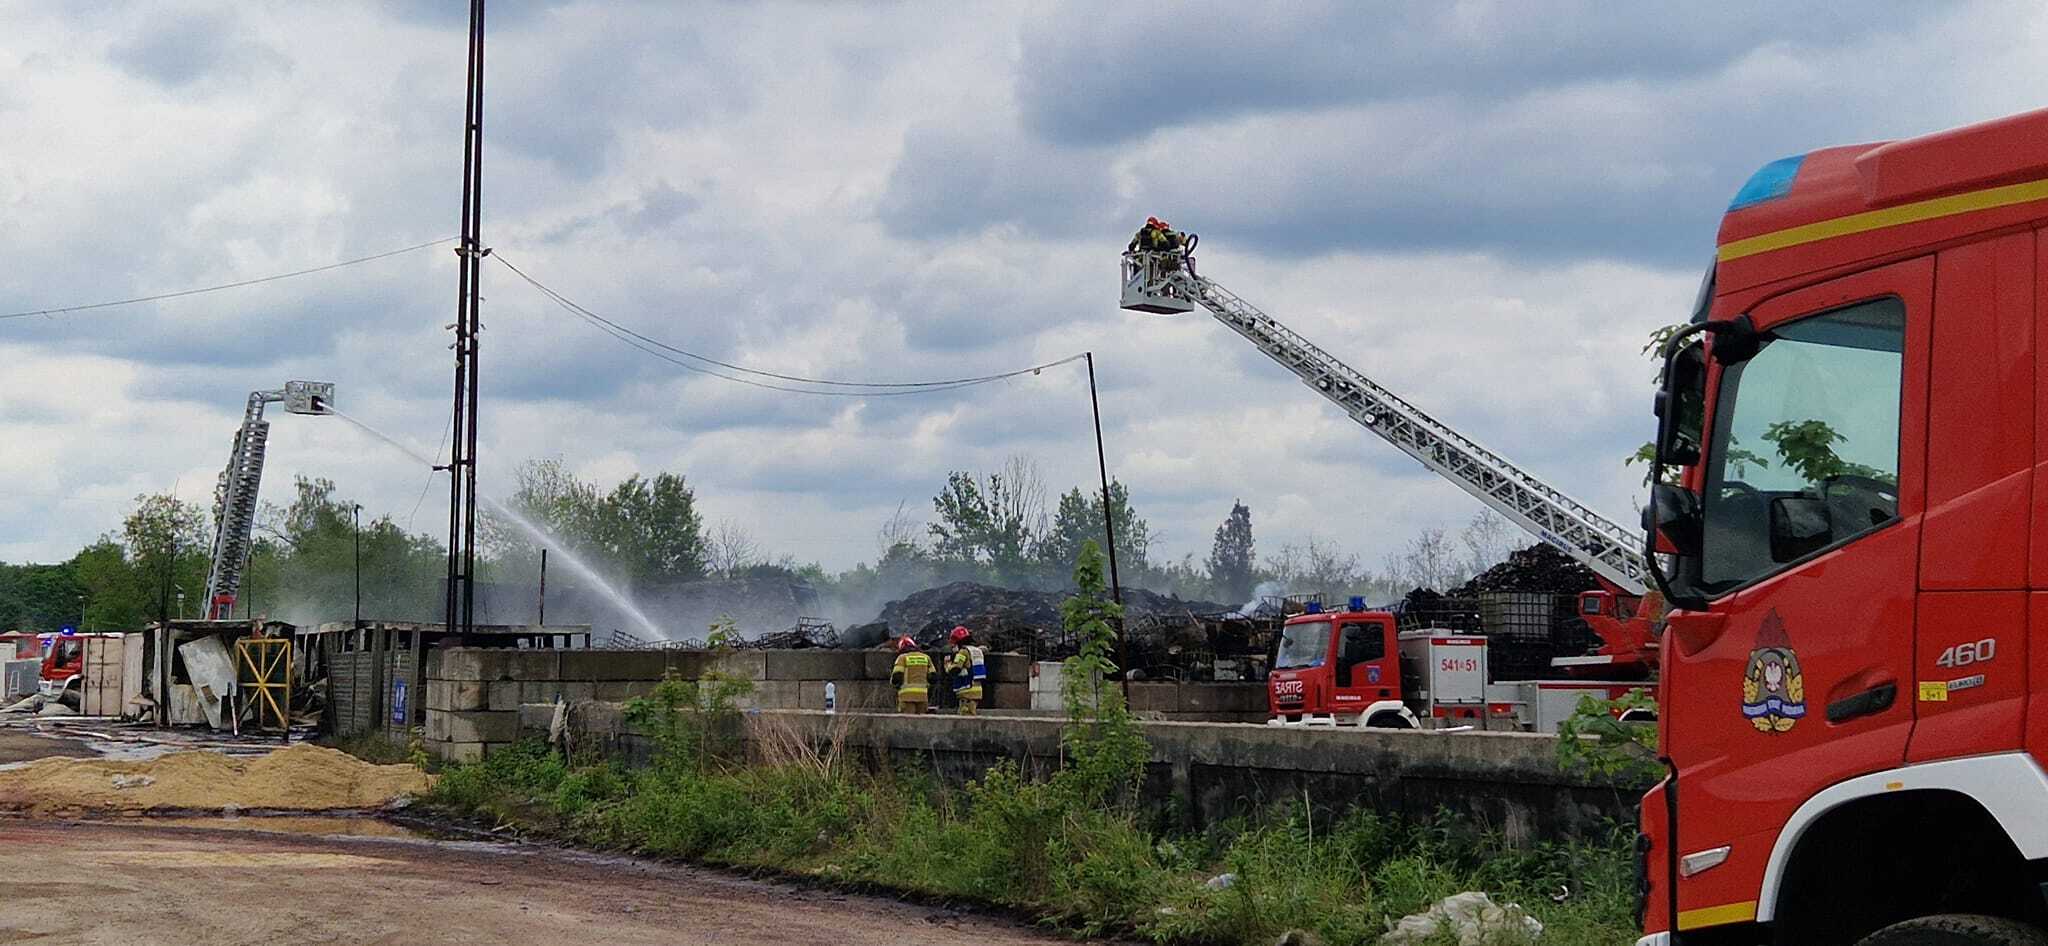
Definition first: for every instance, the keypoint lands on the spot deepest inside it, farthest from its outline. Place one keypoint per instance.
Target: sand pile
(303, 777)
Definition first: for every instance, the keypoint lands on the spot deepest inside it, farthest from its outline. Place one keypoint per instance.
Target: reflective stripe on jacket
(912, 675)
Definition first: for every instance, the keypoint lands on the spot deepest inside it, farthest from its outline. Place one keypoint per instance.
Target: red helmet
(905, 643)
(1155, 222)
(960, 634)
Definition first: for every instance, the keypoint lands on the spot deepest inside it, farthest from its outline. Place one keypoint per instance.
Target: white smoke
(1271, 588)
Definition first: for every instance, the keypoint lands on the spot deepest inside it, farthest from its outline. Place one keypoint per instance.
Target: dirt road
(142, 883)
(19, 745)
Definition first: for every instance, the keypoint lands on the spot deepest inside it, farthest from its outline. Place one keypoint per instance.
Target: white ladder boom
(1164, 283)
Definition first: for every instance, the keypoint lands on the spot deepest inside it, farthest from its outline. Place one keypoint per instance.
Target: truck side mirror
(1674, 514)
(1800, 525)
(1680, 407)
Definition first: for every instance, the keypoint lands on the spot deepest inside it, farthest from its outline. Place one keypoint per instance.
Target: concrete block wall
(473, 695)
(1201, 773)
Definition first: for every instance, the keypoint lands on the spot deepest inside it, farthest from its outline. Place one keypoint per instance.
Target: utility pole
(1116, 588)
(461, 603)
(542, 617)
(356, 516)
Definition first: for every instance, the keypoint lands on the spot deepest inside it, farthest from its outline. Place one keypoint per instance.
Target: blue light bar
(1357, 602)
(1770, 182)
(1314, 607)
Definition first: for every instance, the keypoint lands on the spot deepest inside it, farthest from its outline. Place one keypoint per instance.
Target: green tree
(983, 521)
(651, 531)
(303, 569)
(642, 530)
(1653, 349)
(1078, 520)
(39, 597)
(170, 549)
(1106, 753)
(1808, 447)
(1231, 556)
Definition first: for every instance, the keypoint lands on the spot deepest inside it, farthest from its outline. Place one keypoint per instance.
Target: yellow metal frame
(265, 664)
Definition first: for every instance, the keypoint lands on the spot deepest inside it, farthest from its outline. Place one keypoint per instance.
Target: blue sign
(398, 701)
(1372, 674)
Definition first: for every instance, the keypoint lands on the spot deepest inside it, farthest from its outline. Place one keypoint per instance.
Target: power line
(665, 351)
(429, 484)
(62, 310)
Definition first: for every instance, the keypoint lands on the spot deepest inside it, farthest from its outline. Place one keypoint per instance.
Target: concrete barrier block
(474, 726)
(771, 694)
(536, 718)
(455, 695)
(866, 696)
(815, 664)
(1222, 698)
(1155, 697)
(534, 664)
(746, 665)
(876, 664)
(461, 663)
(573, 690)
(1006, 696)
(1009, 668)
(687, 664)
(597, 665)
(504, 695)
(619, 691)
(464, 752)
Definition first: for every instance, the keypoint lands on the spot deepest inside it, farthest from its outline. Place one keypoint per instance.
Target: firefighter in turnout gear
(912, 677)
(968, 669)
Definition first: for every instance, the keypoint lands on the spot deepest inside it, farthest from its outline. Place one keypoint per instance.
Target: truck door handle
(1875, 700)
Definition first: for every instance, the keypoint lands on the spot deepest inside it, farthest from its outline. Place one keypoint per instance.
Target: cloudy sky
(1483, 205)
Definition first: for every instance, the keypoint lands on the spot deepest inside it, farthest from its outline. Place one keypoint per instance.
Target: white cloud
(887, 193)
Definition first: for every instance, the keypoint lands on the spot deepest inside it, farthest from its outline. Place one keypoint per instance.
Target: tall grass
(1070, 850)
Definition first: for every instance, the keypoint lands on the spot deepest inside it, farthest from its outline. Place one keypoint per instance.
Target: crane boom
(1164, 282)
(234, 497)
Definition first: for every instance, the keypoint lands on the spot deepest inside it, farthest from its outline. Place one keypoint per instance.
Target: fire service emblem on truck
(1773, 691)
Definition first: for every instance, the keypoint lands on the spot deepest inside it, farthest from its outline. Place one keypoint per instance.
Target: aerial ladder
(1163, 282)
(234, 497)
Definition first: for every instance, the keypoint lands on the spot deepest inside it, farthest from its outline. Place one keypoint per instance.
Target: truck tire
(1388, 721)
(1958, 929)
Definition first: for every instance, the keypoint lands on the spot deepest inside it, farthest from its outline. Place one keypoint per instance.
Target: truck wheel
(72, 697)
(1957, 929)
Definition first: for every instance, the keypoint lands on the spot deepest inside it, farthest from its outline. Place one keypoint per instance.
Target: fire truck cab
(63, 671)
(1339, 668)
(1852, 521)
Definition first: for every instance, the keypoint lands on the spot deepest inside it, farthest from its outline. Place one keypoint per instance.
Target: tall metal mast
(461, 603)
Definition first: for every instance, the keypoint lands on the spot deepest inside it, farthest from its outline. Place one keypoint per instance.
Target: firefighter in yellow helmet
(912, 677)
(968, 669)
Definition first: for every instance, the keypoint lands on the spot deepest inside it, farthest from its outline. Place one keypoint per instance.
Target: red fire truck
(1354, 667)
(1854, 537)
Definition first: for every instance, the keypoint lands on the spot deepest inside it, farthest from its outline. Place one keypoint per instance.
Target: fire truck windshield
(1303, 645)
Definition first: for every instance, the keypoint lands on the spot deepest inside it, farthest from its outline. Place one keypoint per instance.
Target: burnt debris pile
(1165, 632)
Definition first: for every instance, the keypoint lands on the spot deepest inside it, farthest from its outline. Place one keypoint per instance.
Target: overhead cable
(697, 362)
(61, 310)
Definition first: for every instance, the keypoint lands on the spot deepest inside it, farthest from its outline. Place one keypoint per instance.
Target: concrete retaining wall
(473, 693)
(1202, 772)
